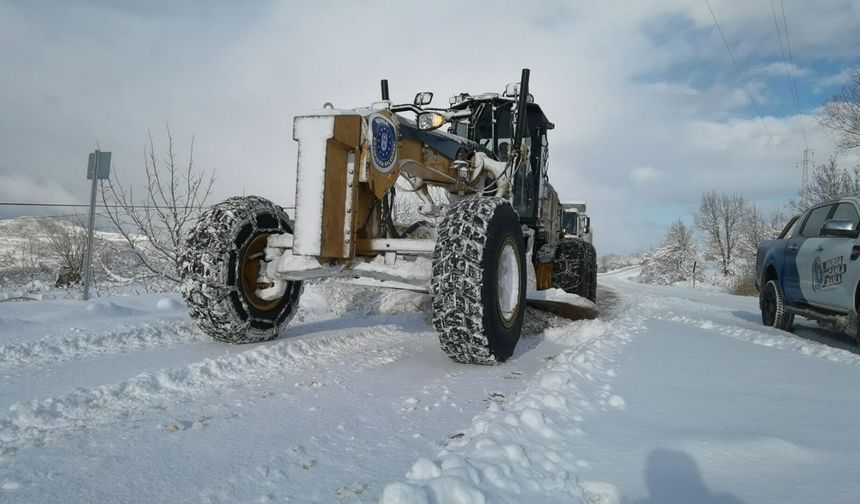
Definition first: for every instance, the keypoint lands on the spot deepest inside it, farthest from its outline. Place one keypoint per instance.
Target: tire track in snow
(35, 422)
(767, 337)
(661, 309)
(78, 345)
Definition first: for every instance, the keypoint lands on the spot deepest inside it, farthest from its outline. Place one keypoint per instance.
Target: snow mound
(333, 298)
(169, 304)
(79, 344)
(525, 450)
(34, 422)
(110, 309)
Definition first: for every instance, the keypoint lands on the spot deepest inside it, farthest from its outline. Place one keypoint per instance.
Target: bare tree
(67, 244)
(173, 197)
(842, 113)
(31, 257)
(721, 217)
(827, 183)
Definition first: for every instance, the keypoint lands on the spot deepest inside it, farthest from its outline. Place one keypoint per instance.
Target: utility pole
(805, 171)
(98, 168)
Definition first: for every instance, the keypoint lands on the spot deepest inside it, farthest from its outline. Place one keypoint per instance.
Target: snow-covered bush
(611, 262)
(674, 260)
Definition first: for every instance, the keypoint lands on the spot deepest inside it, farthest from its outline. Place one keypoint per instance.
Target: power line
(744, 82)
(793, 79)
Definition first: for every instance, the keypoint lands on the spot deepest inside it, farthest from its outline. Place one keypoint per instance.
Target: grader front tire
(478, 287)
(221, 259)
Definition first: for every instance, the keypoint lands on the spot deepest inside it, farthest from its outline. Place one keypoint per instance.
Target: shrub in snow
(673, 260)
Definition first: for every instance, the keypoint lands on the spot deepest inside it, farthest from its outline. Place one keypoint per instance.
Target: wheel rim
(249, 272)
(508, 282)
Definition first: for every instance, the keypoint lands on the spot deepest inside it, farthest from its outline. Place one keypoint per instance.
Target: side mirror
(839, 228)
(423, 98)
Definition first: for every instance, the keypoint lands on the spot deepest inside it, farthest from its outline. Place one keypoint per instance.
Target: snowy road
(678, 395)
(711, 418)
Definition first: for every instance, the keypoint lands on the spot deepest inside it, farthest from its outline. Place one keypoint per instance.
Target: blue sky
(649, 110)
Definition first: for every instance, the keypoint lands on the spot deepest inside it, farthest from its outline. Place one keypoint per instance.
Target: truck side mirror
(839, 229)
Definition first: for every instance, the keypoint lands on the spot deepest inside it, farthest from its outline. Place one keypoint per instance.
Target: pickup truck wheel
(774, 312)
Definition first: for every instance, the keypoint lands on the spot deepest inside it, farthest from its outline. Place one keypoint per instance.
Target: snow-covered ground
(674, 395)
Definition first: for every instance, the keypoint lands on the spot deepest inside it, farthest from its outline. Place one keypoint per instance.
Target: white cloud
(235, 79)
(778, 69)
(645, 174)
(833, 80)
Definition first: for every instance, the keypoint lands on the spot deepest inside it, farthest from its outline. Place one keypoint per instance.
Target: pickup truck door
(833, 272)
(799, 256)
(790, 274)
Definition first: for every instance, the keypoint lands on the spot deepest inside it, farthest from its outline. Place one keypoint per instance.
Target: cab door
(832, 266)
(800, 255)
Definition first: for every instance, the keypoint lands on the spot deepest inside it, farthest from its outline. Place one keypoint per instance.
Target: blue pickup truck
(812, 269)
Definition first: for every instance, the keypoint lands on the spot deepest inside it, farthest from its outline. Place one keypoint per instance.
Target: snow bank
(334, 298)
(34, 422)
(526, 449)
(79, 344)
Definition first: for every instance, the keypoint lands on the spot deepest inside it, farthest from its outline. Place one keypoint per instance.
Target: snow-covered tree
(674, 259)
(758, 226)
(721, 216)
(827, 182)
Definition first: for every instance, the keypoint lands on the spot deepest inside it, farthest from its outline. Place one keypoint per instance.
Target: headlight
(430, 120)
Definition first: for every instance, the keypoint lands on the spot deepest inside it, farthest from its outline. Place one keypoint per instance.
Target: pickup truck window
(813, 224)
(790, 229)
(847, 212)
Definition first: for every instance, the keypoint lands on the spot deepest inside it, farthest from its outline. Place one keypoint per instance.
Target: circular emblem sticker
(817, 274)
(384, 143)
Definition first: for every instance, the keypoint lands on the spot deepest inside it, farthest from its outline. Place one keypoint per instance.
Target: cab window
(847, 212)
(790, 229)
(812, 226)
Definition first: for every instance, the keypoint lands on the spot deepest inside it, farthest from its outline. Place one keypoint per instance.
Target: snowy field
(676, 395)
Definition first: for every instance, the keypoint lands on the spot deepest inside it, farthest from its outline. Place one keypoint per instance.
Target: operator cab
(574, 221)
(491, 125)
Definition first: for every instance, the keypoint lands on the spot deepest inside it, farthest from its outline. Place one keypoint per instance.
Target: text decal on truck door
(828, 273)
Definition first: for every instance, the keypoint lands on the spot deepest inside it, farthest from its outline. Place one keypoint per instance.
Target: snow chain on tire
(574, 269)
(591, 271)
(464, 287)
(211, 271)
(774, 313)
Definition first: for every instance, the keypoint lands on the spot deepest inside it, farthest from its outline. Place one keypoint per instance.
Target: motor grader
(492, 243)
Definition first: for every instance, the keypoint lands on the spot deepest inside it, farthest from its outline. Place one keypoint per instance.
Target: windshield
(497, 136)
(569, 222)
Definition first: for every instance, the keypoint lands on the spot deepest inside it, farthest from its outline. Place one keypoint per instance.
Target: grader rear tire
(572, 269)
(221, 259)
(478, 287)
(591, 271)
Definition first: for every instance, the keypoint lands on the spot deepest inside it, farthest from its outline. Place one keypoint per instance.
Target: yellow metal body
(353, 188)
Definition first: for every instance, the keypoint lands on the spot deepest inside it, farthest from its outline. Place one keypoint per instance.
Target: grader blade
(561, 303)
